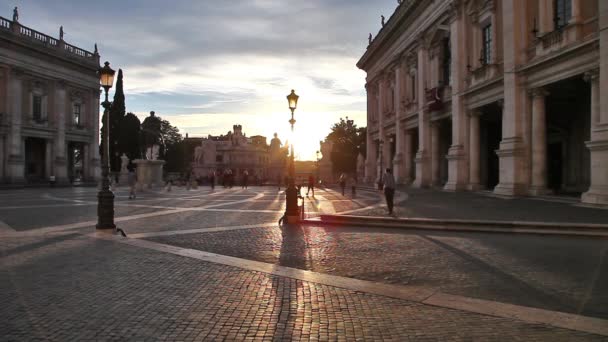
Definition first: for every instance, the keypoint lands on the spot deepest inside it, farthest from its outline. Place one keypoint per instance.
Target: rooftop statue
(382, 17)
(16, 14)
(61, 33)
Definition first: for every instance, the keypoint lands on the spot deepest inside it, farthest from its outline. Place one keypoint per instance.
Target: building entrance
(568, 121)
(490, 126)
(35, 159)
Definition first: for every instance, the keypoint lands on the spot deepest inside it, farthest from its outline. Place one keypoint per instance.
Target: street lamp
(318, 166)
(105, 197)
(381, 145)
(292, 212)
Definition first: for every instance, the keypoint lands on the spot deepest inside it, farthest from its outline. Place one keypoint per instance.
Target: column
(423, 167)
(511, 153)
(382, 151)
(457, 163)
(598, 146)
(539, 143)
(398, 161)
(474, 151)
(435, 157)
(60, 162)
(16, 157)
(407, 164)
(48, 158)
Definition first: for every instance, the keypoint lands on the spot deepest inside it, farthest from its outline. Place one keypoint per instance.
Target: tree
(130, 130)
(348, 141)
(117, 112)
(176, 149)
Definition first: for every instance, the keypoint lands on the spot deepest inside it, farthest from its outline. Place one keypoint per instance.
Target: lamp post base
(292, 212)
(105, 210)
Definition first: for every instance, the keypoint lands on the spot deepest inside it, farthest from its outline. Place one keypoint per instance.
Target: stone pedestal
(149, 173)
(598, 192)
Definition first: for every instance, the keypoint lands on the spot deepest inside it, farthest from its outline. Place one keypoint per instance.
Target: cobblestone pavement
(483, 206)
(61, 284)
(78, 288)
(568, 274)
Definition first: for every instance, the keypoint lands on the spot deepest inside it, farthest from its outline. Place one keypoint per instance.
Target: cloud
(208, 64)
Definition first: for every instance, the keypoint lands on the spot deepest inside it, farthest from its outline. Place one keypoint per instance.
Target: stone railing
(34, 36)
(552, 38)
(5, 24)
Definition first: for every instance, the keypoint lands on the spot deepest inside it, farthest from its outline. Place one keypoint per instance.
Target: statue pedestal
(149, 173)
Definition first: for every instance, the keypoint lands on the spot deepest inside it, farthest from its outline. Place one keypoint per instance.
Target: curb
(517, 227)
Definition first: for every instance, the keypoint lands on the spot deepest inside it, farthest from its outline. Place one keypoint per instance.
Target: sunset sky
(206, 65)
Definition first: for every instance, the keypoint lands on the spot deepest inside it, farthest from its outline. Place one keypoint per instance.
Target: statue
(16, 15)
(124, 161)
(382, 17)
(61, 33)
(151, 136)
(198, 155)
(370, 38)
(97, 52)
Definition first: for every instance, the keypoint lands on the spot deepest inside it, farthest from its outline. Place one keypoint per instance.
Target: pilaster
(16, 159)
(474, 151)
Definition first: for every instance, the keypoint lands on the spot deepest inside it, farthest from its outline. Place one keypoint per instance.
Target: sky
(206, 65)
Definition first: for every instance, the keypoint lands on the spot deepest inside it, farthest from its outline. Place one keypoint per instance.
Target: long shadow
(542, 298)
(36, 245)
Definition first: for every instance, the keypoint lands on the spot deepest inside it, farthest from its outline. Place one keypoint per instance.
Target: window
(563, 13)
(219, 158)
(77, 114)
(37, 108)
(447, 62)
(486, 51)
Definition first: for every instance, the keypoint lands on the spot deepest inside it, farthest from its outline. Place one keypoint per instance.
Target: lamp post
(292, 212)
(381, 145)
(105, 197)
(318, 166)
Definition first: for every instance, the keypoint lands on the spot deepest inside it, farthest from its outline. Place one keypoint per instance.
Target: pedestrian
(311, 185)
(132, 180)
(389, 189)
(279, 181)
(342, 182)
(212, 179)
(245, 179)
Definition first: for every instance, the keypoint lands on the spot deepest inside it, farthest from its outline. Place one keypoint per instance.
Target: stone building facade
(490, 94)
(236, 152)
(49, 108)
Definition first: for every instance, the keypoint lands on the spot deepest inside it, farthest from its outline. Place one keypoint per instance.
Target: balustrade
(33, 35)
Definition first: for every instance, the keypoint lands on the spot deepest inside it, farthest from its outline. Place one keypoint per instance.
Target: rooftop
(13, 30)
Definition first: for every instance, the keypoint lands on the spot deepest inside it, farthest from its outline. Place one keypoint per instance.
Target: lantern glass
(106, 76)
(293, 100)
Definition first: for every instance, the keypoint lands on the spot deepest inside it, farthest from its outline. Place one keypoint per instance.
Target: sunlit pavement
(183, 274)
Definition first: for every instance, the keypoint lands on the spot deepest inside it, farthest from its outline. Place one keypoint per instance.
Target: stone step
(519, 227)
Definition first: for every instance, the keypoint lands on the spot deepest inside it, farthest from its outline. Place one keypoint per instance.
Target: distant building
(49, 108)
(236, 152)
(491, 95)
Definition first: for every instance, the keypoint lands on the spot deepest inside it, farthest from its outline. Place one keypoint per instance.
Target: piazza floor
(214, 265)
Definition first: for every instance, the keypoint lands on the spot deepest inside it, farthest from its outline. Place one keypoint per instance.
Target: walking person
(311, 185)
(279, 178)
(245, 179)
(132, 180)
(212, 179)
(389, 189)
(342, 182)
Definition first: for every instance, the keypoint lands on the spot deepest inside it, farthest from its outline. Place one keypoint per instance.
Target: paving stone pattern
(569, 275)
(78, 288)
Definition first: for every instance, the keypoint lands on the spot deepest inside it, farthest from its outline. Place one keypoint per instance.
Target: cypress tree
(117, 113)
